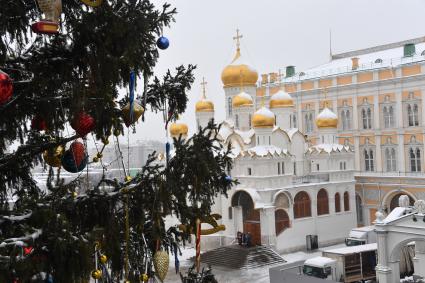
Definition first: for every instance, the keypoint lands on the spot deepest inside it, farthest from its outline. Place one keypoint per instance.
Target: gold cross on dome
(237, 38)
(204, 85)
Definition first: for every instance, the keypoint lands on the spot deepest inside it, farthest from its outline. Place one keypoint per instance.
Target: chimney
(290, 71)
(264, 79)
(273, 77)
(355, 63)
(409, 50)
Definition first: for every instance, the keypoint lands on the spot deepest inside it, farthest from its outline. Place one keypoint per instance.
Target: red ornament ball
(75, 158)
(83, 124)
(6, 88)
(38, 124)
(28, 250)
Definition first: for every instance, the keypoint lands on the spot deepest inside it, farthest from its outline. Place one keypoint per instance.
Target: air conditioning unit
(312, 242)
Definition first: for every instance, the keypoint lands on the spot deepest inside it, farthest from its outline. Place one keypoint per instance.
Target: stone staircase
(237, 257)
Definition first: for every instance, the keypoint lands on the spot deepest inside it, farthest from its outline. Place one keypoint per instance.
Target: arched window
(347, 119)
(367, 118)
(415, 159)
(386, 117)
(410, 115)
(237, 121)
(229, 106)
(306, 123)
(311, 122)
(368, 158)
(294, 121)
(391, 117)
(302, 205)
(343, 119)
(230, 212)
(415, 115)
(249, 121)
(346, 201)
(322, 202)
(281, 220)
(337, 202)
(390, 159)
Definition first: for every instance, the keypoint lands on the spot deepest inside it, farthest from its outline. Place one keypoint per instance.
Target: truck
(361, 236)
(348, 264)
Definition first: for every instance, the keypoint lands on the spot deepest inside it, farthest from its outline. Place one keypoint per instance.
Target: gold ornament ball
(95, 159)
(105, 140)
(144, 277)
(53, 156)
(99, 155)
(103, 259)
(96, 274)
(117, 132)
(128, 178)
(74, 194)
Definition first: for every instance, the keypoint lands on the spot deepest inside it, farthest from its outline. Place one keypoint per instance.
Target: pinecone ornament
(161, 263)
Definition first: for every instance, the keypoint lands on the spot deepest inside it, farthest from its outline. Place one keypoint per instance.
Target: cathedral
(290, 193)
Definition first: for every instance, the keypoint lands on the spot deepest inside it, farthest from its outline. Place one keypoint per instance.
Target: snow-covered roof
(328, 148)
(319, 261)
(389, 58)
(396, 213)
(353, 249)
(245, 95)
(265, 112)
(281, 95)
(326, 114)
(265, 150)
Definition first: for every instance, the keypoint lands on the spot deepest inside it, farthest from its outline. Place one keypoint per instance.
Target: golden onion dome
(281, 99)
(263, 118)
(242, 99)
(239, 73)
(177, 129)
(204, 105)
(327, 119)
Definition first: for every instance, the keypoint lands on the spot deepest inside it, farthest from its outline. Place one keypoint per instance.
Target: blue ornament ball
(228, 178)
(70, 165)
(162, 43)
(49, 279)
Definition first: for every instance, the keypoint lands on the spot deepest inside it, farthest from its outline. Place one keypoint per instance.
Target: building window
(249, 121)
(237, 121)
(302, 205)
(229, 106)
(281, 220)
(322, 202)
(346, 119)
(368, 159)
(346, 201)
(317, 167)
(367, 118)
(270, 140)
(388, 116)
(415, 159)
(294, 121)
(359, 210)
(337, 202)
(249, 171)
(230, 212)
(390, 160)
(308, 121)
(295, 168)
(413, 114)
(278, 168)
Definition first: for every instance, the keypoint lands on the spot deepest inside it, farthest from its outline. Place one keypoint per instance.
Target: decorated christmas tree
(62, 65)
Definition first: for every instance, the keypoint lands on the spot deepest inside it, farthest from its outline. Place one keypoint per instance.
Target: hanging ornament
(28, 250)
(38, 123)
(92, 3)
(52, 10)
(6, 88)
(137, 112)
(83, 124)
(75, 158)
(162, 43)
(228, 178)
(144, 277)
(96, 274)
(53, 156)
(103, 259)
(161, 262)
(49, 279)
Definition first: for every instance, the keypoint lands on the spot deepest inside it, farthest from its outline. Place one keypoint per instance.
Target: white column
(399, 109)
(376, 112)
(383, 271)
(355, 113)
(238, 218)
(378, 154)
(357, 153)
(401, 155)
(419, 259)
(268, 228)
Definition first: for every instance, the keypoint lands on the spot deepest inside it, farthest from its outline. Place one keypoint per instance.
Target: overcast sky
(275, 34)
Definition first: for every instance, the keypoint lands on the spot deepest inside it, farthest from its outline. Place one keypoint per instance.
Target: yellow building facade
(378, 94)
